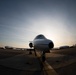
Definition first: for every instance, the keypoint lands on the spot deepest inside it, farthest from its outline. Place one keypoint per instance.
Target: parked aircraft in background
(42, 44)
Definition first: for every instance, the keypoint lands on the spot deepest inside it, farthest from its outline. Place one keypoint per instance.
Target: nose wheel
(43, 57)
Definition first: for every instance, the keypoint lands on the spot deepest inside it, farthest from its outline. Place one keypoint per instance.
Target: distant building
(1, 47)
(8, 47)
(64, 47)
(20, 48)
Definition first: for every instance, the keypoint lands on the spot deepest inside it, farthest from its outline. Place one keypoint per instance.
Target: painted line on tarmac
(46, 67)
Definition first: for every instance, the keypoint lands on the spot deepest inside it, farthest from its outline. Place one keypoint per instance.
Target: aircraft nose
(51, 45)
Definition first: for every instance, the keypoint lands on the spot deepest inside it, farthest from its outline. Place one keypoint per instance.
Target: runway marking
(46, 67)
(49, 70)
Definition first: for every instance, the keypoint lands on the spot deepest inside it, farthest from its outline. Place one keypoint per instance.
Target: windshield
(40, 37)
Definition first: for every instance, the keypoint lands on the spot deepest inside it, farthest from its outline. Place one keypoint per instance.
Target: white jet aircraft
(42, 44)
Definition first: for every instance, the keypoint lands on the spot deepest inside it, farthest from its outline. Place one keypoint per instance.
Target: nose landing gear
(43, 57)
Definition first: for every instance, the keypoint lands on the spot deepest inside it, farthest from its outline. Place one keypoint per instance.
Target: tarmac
(21, 62)
(25, 64)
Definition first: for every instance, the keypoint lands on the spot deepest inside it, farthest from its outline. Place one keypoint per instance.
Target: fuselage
(42, 43)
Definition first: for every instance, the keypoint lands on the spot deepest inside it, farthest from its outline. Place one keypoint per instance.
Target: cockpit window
(40, 37)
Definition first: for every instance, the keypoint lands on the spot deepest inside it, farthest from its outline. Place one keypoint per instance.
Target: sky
(22, 20)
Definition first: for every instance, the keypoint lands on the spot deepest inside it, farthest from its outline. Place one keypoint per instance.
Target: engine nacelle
(51, 45)
(30, 45)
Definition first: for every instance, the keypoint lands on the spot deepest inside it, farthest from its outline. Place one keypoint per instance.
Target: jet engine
(30, 45)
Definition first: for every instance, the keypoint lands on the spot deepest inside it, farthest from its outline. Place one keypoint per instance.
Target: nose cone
(51, 45)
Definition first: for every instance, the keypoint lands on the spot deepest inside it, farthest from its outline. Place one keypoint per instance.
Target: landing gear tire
(43, 59)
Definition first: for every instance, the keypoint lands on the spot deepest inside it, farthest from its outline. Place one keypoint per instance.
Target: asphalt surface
(24, 64)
